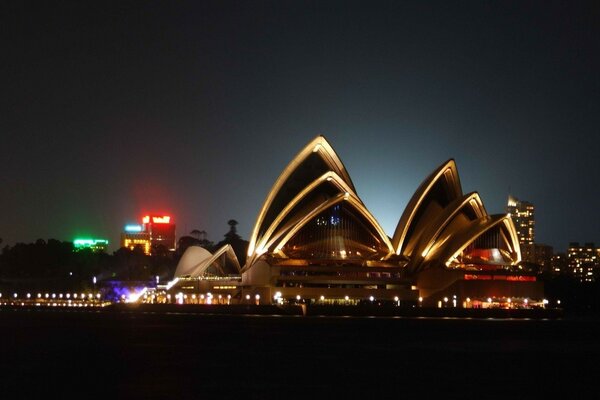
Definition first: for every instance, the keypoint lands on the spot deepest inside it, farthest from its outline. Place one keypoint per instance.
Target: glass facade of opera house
(315, 241)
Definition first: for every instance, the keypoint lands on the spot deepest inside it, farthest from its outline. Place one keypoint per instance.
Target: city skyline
(116, 110)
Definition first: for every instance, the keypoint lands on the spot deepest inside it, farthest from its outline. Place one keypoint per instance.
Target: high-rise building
(154, 233)
(584, 261)
(522, 214)
(161, 230)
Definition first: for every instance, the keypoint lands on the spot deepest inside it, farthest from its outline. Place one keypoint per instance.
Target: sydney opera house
(314, 240)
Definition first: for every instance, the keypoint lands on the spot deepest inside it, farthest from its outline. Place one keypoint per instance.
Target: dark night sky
(193, 108)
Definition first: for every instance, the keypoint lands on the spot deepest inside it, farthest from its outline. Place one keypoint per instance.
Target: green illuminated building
(96, 245)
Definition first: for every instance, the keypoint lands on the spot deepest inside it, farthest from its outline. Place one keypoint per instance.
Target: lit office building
(154, 231)
(161, 231)
(135, 235)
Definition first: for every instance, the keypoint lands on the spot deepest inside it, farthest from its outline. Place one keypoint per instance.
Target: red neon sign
(165, 219)
(161, 220)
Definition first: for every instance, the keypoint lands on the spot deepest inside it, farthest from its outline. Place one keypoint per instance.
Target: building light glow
(133, 228)
(161, 220)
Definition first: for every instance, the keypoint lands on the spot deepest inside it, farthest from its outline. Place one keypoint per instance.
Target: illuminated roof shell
(445, 177)
(355, 202)
(319, 147)
(458, 213)
(272, 233)
(454, 242)
(196, 260)
(437, 225)
(295, 222)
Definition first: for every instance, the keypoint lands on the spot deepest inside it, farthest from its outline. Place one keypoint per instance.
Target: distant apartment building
(540, 254)
(559, 264)
(523, 215)
(155, 232)
(584, 261)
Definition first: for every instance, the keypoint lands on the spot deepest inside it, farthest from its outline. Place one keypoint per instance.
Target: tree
(239, 245)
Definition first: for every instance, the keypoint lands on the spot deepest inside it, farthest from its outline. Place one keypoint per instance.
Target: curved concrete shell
(316, 193)
(372, 227)
(454, 217)
(455, 242)
(191, 258)
(326, 191)
(314, 160)
(196, 261)
(436, 192)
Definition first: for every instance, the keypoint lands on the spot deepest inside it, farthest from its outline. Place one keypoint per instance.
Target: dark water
(138, 355)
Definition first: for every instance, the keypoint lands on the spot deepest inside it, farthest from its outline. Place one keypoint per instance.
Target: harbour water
(146, 354)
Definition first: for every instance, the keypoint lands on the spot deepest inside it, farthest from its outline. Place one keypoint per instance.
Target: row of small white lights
(278, 297)
(69, 304)
(60, 295)
(489, 300)
(185, 296)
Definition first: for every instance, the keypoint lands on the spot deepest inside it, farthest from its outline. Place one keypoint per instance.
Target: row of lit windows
(131, 243)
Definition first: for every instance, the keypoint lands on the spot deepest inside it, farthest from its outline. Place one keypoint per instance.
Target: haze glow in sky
(114, 110)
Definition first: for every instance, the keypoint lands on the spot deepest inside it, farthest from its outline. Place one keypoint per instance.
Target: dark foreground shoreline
(349, 311)
(142, 352)
(324, 310)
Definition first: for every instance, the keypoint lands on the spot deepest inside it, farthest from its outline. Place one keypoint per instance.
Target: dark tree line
(199, 238)
(54, 264)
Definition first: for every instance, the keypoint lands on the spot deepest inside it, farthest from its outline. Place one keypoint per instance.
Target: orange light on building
(146, 219)
(131, 243)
